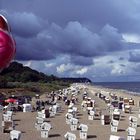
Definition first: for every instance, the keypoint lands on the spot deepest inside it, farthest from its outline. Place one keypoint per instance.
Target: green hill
(16, 72)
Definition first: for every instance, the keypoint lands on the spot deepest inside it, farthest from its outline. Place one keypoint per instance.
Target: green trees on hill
(16, 72)
(3, 82)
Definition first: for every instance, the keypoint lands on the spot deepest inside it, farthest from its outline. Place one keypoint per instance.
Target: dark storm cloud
(47, 28)
(73, 39)
(93, 12)
(134, 56)
(111, 38)
(32, 49)
(25, 24)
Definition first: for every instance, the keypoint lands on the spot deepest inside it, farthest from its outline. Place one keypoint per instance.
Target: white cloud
(28, 64)
(49, 65)
(131, 38)
(82, 71)
(64, 67)
(117, 70)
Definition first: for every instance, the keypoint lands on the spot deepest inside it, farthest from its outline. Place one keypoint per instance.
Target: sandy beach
(25, 121)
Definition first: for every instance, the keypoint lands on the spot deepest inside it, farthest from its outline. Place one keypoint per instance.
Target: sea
(127, 86)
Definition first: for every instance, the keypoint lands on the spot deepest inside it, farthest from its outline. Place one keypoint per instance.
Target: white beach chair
(131, 102)
(73, 124)
(74, 111)
(131, 133)
(70, 136)
(45, 128)
(83, 131)
(91, 115)
(127, 108)
(114, 125)
(116, 115)
(41, 114)
(133, 121)
(15, 135)
(97, 113)
(68, 118)
(39, 122)
(6, 117)
(52, 111)
(71, 105)
(10, 113)
(27, 108)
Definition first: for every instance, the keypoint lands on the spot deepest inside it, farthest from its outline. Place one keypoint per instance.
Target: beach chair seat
(115, 103)
(107, 100)
(116, 115)
(47, 113)
(105, 119)
(126, 101)
(127, 108)
(97, 113)
(133, 121)
(131, 102)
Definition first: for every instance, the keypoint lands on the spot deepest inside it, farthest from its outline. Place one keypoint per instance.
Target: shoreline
(123, 91)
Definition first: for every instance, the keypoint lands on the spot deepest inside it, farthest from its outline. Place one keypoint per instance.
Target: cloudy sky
(98, 39)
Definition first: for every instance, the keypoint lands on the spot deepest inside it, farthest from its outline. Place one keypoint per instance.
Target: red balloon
(7, 43)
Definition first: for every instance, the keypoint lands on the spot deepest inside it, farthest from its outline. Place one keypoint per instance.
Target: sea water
(127, 86)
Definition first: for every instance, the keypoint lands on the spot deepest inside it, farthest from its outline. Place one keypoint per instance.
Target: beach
(25, 121)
